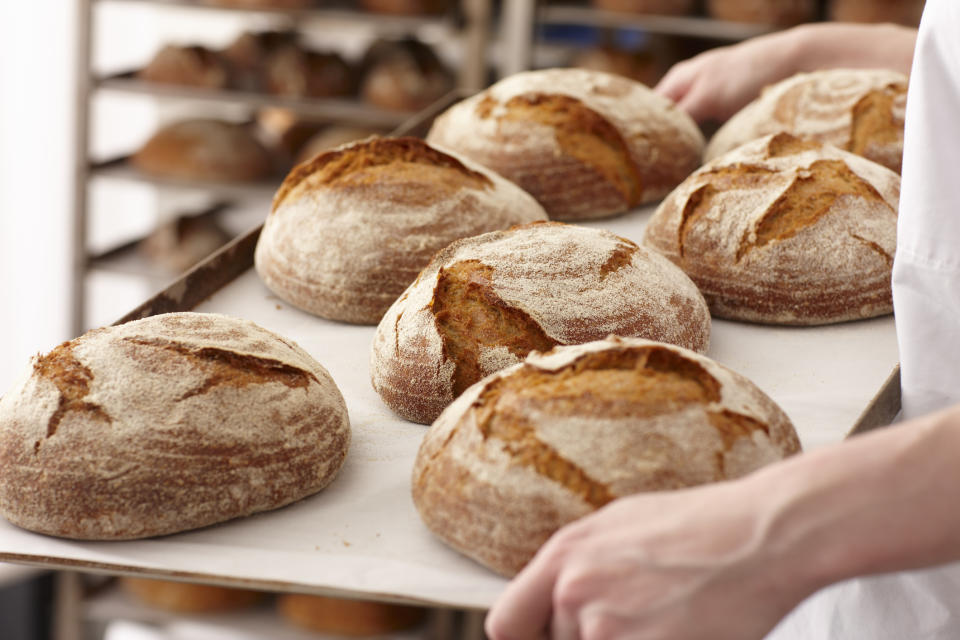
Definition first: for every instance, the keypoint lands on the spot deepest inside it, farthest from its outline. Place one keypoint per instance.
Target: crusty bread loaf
(772, 12)
(785, 231)
(193, 66)
(906, 12)
(297, 72)
(249, 52)
(859, 110)
(187, 597)
(404, 75)
(665, 7)
(637, 65)
(165, 424)
(351, 228)
(586, 144)
(485, 302)
(347, 617)
(204, 149)
(536, 446)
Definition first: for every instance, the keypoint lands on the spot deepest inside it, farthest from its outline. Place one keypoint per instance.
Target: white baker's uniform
(919, 605)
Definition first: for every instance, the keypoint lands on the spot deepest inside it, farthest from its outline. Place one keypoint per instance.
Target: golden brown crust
(784, 231)
(665, 7)
(406, 7)
(186, 597)
(906, 12)
(484, 303)
(347, 617)
(351, 228)
(536, 446)
(586, 144)
(859, 110)
(203, 149)
(166, 424)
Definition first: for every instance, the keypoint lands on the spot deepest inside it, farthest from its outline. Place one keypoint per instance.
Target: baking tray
(361, 537)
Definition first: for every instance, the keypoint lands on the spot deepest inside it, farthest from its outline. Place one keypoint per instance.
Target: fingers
(523, 611)
(676, 83)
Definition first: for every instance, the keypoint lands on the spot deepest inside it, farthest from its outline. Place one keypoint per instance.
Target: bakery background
(141, 227)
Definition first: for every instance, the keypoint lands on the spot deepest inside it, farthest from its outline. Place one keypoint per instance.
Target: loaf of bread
(204, 149)
(165, 424)
(187, 597)
(296, 72)
(536, 446)
(484, 303)
(351, 618)
(351, 228)
(404, 75)
(784, 231)
(664, 7)
(585, 144)
(906, 12)
(772, 12)
(183, 242)
(640, 66)
(249, 53)
(859, 110)
(261, 4)
(192, 66)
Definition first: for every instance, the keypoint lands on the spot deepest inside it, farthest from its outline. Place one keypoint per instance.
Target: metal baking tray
(361, 537)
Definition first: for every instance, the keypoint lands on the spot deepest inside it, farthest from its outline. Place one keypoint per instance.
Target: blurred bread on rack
(899, 11)
(183, 242)
(347, 617)
(261, 4)
(204, 149)
(247, 55)
(297, 72)
(636, 65)
(193, 66)
(664, 7)
(772, 12)
(406, 7)
(187, 597)
(403, 75)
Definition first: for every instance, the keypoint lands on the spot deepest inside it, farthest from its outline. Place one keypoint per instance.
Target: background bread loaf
(204, 149)
(193, 66)
(347, 617)
(187, 597)
(165, 424)
(858, 110)
(484, 303)
(773, 12)
(785, 231)
(585, 144)
(351, 228)
(540, 444)
(665, 7)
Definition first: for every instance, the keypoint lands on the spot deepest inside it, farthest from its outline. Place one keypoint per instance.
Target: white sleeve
(926, 269)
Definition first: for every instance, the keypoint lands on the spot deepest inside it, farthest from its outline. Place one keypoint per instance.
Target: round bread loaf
(784, 231)
(187, 597)
(664, 7)
(192, 66)
(585, 144)
(203, 149)
(859, 110)
(166, 424)
(347, 617)
(536, 446)
(404, 75)
(249, 53)
(351, 228)
(772, 12)
(484, 303)
(292, 71)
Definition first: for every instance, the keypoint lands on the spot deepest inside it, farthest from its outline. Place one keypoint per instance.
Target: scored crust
(784, 231)
(584, 143)
(166, 424)
(484, 303)
(536, 446)
(858, 110)
(351, 228)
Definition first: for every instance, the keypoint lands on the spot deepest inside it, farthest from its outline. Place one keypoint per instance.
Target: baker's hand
(673, 565)
(717, 83)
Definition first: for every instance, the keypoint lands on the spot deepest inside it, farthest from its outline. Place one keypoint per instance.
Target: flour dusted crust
(351, 228)
(204, 149)
(586, 144)
(784, 231)
(536, 446)
(484, 303)
(166, 424)
(858, 110)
